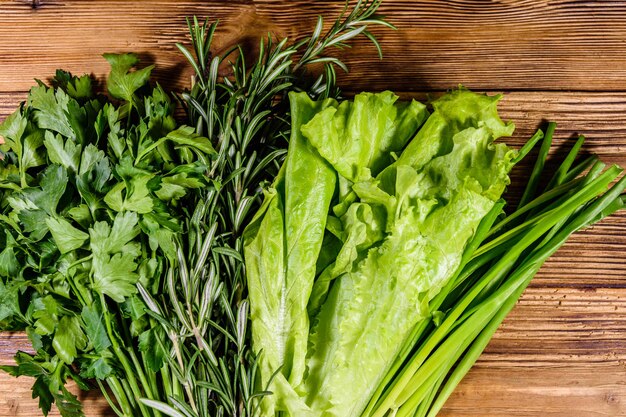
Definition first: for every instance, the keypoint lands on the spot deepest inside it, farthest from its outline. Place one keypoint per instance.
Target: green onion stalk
(497, 266)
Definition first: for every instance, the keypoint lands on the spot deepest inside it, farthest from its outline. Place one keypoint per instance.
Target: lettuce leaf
(281, 246)
(332, 319)
(358, 137)
(430, 210)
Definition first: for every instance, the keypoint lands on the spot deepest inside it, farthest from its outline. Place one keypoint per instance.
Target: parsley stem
(107, 397)
(132, 400)
(120, 396)
(165, 379)
(142, 377)
(83, 295)
(119, 352)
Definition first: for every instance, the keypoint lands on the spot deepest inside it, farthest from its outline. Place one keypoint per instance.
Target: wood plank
(547, 390)
(561, 352)
(555, 322)
(512, 45)
(73, 35)
(521, 45)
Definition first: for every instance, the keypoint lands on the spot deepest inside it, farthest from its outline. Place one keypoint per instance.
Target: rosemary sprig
(204, 309)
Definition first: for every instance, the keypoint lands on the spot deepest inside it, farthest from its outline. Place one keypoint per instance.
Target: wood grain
(500, 44)
(562, 351)
(589, 390)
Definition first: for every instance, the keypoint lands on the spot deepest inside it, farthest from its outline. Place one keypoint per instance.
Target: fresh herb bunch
(91, 197)
(202, 306)
(95, 198)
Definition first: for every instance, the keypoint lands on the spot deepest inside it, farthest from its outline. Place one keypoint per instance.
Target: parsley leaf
(67, 403)
(9, 302)
(121, 83)
(32, 155)
(51, 109)
(66, 236)
(12, 129)
(105, 239)
(41, 391)
(46, 311)
(151, 344)
(115, 275)
(99, 368)
(52, 186)
(186, 136)
(133, 194)
(68, 338)
(76, 87)
(81, 215)
(9, 264)
(66, 154)
(136, 199)
(95, 329)
(90, 159)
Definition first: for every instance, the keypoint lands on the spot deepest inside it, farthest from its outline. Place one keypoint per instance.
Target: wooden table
(562, 352)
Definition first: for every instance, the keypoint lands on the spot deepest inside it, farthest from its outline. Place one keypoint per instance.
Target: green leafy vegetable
(386, 124)
(51, 106)
(399, 285)
(151, 343)
(487, 286)
(68, 337)
(294, 209)
(246, 117)
(387, 270)
(66, 236)
(94, 327)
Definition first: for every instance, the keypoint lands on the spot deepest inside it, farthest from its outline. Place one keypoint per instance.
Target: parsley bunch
(92, 193)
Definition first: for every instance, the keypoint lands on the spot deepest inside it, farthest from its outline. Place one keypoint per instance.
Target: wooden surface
(562, 352)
